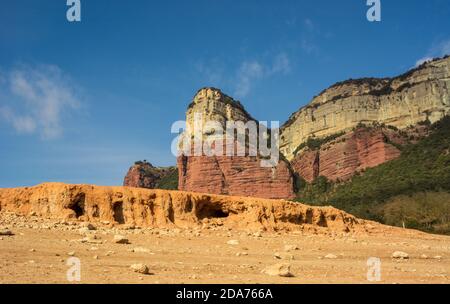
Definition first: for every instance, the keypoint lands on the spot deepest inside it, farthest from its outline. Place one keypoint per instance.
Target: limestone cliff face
(406, 100)
(232, 175)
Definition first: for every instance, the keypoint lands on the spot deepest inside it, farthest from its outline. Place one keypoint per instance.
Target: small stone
(331, 256)
(233, 242)
(140, 268)
(257, 234)
(400, 255)
(72, 253)
(424, 256)
(95, 257)
(283, 256)
(281, 270)
(290, 247)
(437, 257)
(6, 232)
(120, 239)
(32, 250)
(140, 250)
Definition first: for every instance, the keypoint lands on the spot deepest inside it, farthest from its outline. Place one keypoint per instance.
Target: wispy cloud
(35, 100)
(246, 74)
(437, 50)
(309, 24)
(251, 71)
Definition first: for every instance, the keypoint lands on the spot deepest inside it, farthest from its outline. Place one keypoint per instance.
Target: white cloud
(248, 72)
(281, 64)
(252, 71)
(36, 100)
(437, 50)
(309, 24)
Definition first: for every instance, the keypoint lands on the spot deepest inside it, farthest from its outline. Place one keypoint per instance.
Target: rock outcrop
(144, 175)
(416, 96)
(160, 208)
(231, 175)
(340, 158)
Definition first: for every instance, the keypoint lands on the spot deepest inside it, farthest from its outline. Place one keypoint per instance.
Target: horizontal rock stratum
(420, 94)
(160, 208)
(229, 175)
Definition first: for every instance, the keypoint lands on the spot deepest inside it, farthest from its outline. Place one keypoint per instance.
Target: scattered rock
(400, 255)
(6, 232)
(257, 234)
(233, 242)
(91, 240)
(290, 247)
(281, 270)
(140, 268)
(140, 250)
(283, 256)
(120, 239)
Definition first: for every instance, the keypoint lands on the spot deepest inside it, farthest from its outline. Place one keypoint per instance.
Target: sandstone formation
(418, 95)
(159, 208)
(143, 175)
(341, 158)
(231, 175)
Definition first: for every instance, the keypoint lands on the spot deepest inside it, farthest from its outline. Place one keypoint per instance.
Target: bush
(422, 168)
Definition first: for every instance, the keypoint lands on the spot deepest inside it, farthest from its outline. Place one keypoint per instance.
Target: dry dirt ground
(39, 249)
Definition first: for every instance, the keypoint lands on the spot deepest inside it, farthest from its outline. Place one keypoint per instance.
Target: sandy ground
(39, 249)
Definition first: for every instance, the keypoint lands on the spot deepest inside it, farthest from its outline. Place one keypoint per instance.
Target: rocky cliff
(418, 95)
(144, 175)
(160, 208)
(232, 175)
(339, 159)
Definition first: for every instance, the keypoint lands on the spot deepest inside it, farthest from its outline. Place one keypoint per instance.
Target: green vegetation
(422, 171)
(169, 181)
(314, 143)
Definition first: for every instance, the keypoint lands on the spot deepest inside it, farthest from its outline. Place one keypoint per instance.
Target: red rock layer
(144, 175)
(237, 175)
(348, 154)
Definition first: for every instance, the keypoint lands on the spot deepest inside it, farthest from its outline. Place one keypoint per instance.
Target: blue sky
(80, 102)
